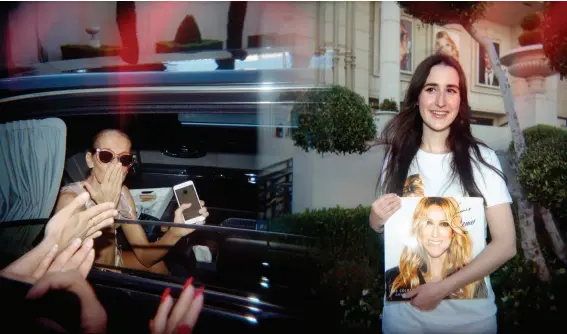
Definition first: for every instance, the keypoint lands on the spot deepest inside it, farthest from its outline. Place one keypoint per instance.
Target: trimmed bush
(351, 257)
(524, 302)
(539, 132)
(333, 120)
(350, 254)
(537, 179)
(388, 105)
(345, 232)
(542, 172)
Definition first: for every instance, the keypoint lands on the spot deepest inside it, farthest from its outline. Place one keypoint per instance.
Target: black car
(208, 127)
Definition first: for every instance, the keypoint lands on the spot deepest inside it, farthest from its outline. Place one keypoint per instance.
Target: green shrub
(522, 299)
(344, 232)
(388, 105)
(350, 254)
(333, 120)
(542, 172)
(539, 132)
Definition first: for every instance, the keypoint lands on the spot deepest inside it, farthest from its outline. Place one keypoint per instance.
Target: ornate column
(537, 103)
(321, 45)
(336, 48)
(389, 51)
(350, 44)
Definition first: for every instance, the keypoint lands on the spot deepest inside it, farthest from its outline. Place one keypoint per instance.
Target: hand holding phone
(186, 193)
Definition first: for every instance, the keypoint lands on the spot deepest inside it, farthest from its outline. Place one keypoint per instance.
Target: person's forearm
(155, 251)
(375, 222)
(27, 263)
(489, 260)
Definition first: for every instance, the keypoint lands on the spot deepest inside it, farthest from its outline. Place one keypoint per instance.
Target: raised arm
(150, 253)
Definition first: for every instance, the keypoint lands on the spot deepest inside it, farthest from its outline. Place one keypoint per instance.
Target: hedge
(351, 258)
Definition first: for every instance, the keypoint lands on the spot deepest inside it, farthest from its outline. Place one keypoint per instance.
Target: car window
(196, 105)
(238, 155)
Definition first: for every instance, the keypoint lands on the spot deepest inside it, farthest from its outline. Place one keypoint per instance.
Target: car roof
(259, 80)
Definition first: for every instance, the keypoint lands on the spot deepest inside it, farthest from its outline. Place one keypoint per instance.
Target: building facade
(371, 47)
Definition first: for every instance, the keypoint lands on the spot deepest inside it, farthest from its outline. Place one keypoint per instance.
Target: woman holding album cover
(431, 152)
(442, 247)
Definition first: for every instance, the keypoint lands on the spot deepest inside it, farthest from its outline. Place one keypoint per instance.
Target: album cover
(429, 239)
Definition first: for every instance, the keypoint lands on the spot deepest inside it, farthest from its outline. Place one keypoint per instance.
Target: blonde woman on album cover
(442, 247)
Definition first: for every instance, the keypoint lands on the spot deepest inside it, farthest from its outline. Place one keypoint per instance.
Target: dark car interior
(256, 282)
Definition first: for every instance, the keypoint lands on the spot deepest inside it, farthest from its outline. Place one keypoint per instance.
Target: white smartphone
(186, 193)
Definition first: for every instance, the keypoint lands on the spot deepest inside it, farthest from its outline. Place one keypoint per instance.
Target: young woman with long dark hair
(430, 151)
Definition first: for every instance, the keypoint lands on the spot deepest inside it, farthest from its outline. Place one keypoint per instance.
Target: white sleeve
(492, 186)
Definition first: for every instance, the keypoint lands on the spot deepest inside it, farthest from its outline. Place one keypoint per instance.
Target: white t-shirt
(430, 175)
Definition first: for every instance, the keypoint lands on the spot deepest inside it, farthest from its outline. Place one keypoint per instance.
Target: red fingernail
(189, 281)
(184, 329)
(199, 291)
(165, 294)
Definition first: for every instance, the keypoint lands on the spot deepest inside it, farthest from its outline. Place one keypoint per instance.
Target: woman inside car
(62, 262)
(109, 161)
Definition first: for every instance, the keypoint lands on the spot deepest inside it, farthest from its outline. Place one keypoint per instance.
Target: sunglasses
(105, 156)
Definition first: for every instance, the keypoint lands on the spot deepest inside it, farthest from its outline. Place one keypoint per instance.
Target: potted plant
(333, 120)
(388, 105)
(386, 111)
(531, 34)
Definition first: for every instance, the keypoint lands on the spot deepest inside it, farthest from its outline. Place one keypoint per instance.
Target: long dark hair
(402, 135)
